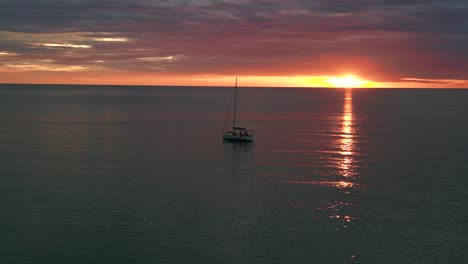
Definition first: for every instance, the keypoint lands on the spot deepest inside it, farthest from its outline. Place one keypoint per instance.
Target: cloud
(159, 59)
(40, 66)
(111, 39)
(65, 45)
(6, 53)
(437, 81)
(386, 40)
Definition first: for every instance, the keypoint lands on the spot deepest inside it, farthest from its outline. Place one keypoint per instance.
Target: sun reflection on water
(347, 141)
(342, 211)
(336, 184)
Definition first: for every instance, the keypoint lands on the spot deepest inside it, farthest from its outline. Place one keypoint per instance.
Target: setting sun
(348, 81)
(345, 81)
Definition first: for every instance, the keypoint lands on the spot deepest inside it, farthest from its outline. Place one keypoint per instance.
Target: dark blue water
(141, 175)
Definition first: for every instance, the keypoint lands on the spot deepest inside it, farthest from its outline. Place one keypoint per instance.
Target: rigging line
(227, 115)
(235, 104)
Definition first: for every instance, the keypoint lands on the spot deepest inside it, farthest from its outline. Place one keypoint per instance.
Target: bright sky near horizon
(323, 43)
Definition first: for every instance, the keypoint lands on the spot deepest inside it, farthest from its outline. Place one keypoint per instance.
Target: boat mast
(235, 103)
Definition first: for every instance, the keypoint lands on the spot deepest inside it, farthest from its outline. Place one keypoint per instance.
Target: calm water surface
(140, 175)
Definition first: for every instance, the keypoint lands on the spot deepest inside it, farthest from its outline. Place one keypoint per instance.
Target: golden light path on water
(347, 141)
(342, 210)
(343, 153)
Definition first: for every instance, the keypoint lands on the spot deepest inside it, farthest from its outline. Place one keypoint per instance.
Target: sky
(303, 43)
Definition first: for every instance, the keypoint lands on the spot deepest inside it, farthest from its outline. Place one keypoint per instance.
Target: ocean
(121, 174)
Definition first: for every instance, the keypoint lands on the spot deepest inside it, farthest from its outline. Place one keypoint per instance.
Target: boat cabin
(239, 134)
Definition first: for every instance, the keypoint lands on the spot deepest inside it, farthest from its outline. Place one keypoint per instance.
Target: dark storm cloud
(388, 39)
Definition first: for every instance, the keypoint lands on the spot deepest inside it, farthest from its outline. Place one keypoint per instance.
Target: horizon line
(256, 87)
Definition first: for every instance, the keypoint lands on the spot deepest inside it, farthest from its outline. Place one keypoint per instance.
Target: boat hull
(237, 138)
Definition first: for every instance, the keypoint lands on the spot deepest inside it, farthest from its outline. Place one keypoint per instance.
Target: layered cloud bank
(393, 43)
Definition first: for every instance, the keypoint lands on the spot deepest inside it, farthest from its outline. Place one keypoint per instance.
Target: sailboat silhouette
(239, 134)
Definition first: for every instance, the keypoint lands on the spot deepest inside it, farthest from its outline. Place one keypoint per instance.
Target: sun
(347, 81)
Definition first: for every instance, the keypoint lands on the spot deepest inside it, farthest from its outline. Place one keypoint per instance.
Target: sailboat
(237, 134)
